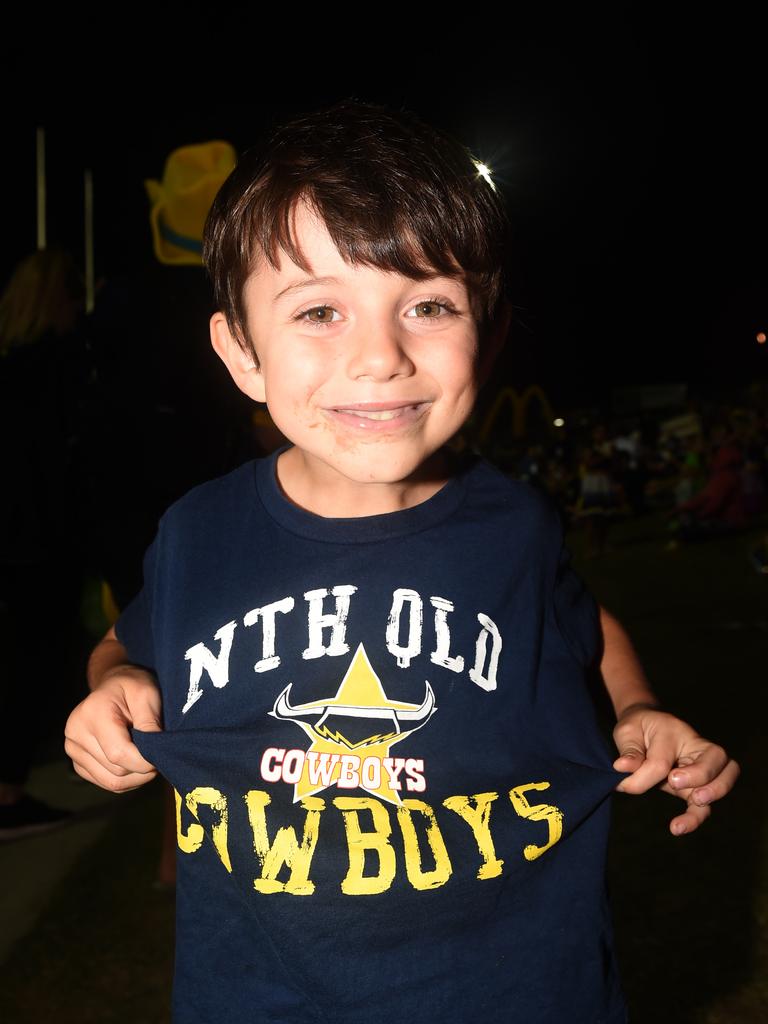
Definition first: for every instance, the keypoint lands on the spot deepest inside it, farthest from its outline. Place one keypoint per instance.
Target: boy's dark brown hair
(393, 192)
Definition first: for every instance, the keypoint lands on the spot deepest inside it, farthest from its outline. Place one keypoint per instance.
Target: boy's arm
(96, 733)
(654, 746)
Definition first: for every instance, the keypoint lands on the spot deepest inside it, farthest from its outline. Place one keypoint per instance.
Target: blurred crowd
(704, 468)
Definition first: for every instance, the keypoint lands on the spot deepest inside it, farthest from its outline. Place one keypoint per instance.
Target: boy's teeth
(382, 414)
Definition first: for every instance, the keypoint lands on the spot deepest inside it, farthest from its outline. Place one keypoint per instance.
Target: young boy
(368, 658)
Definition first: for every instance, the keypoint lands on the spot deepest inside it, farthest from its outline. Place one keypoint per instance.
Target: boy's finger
(717, 788)
(112, 744)
(632, 753)
(88, 767)
(707, 766)
(88, 749)
(112, 750)
(629, 762)
(121, 755)
(147, 723)
(86, 746)
(651, 772)
(146, 713)
(689, 821)
(83, 772)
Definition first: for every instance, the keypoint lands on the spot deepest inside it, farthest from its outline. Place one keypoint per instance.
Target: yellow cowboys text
(284, 858)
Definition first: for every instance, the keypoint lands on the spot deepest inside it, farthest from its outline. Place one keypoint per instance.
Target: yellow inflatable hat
(181, 201)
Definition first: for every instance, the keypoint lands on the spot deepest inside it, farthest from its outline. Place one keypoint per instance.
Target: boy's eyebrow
(309, 281)
(305, 283)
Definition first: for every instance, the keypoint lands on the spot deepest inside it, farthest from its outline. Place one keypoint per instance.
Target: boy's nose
(379, 353)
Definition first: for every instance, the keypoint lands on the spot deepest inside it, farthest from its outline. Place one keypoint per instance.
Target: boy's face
(367, 372)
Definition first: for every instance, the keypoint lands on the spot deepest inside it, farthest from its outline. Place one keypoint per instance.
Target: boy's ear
(241, 364)
(494, 341)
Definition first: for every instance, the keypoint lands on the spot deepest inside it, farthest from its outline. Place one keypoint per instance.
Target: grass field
(690, 912)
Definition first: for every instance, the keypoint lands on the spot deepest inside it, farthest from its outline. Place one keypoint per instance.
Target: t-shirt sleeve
(576, 612)
(134, 627)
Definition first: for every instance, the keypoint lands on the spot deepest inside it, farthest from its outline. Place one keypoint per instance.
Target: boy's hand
(659, 748)
(97, 737)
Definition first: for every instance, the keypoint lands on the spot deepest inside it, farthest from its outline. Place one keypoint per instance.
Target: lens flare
(485, 172)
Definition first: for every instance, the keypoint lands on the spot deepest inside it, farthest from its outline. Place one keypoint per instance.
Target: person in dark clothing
(43, 379)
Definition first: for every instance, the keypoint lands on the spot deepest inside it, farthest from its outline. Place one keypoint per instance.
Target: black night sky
(632, 152)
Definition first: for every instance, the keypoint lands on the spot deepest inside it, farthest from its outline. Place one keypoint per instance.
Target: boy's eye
(431, 309)
(318, 315)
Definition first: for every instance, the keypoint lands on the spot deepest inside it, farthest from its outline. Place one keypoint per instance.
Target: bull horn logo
(360, 713)
(317, 716)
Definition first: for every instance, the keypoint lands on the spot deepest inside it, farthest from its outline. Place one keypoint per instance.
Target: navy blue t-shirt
(392, 795)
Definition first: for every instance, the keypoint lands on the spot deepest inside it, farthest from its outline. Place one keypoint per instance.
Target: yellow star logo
(353, 731)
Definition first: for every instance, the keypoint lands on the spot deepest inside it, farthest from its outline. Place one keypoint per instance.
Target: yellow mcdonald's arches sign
(520, 406)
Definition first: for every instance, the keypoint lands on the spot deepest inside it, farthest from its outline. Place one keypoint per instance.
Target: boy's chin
(348, 485)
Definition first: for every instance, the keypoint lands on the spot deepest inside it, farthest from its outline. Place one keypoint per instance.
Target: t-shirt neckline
(357, 530)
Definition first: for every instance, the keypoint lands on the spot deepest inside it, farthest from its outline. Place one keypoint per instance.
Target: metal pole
(89, 264)
(41, 239)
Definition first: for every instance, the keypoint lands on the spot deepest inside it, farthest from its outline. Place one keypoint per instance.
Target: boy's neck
(325, 493)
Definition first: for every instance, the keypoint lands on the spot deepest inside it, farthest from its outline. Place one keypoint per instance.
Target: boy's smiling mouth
(376, 415)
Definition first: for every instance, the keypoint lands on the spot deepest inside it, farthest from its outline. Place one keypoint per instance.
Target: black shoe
(28, 817)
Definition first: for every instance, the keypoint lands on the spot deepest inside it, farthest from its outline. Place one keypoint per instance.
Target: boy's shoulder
(216, 499)
(495, 495)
